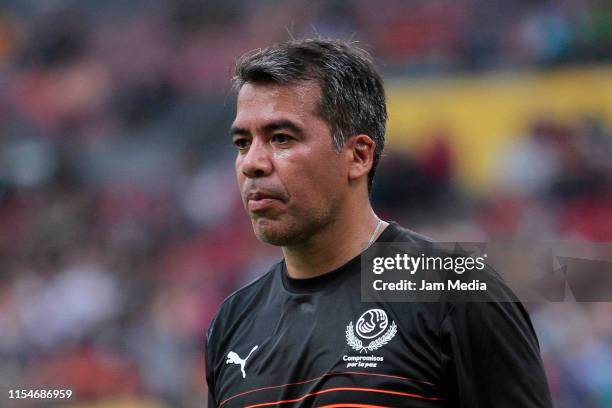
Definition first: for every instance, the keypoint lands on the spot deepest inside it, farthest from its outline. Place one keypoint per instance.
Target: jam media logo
(372, 325)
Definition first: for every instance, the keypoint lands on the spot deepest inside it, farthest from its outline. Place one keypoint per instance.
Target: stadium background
(121, 227)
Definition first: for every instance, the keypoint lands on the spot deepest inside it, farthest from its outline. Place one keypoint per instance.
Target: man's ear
(360, 156)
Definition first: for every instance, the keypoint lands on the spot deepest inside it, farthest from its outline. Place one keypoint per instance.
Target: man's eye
(280, 138)
(241, 143)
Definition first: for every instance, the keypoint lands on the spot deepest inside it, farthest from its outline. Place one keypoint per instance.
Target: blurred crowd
(121, 226)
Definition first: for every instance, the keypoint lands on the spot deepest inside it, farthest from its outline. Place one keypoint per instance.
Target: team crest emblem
(373, 326)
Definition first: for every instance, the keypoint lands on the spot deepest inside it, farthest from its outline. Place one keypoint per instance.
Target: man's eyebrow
(268, 128)
(282, 124)
(238, 131)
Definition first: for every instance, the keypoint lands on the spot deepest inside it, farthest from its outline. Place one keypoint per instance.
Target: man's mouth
(258, 201)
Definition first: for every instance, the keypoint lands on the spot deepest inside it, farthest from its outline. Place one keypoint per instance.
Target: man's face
(291, 179)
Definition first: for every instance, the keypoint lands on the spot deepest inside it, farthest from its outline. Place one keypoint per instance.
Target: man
(309, 132)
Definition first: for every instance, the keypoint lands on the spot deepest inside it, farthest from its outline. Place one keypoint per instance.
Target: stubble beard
(293, 230)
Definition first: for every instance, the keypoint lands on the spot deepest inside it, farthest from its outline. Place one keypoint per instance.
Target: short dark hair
(352, 92)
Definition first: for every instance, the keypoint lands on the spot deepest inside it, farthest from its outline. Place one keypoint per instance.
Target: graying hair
(352, 93)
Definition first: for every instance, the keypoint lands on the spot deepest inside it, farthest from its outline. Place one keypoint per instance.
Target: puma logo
(233, 358)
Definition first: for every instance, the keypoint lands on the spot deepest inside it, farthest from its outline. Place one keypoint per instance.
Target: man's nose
(256, 162)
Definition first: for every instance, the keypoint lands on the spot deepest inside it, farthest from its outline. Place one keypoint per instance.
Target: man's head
(310, 129)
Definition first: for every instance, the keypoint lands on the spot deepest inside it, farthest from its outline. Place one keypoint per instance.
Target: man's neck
(334, 246)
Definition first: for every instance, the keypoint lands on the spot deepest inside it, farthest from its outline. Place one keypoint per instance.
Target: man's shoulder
(243, 298)
(397, 233)
(250, 290)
